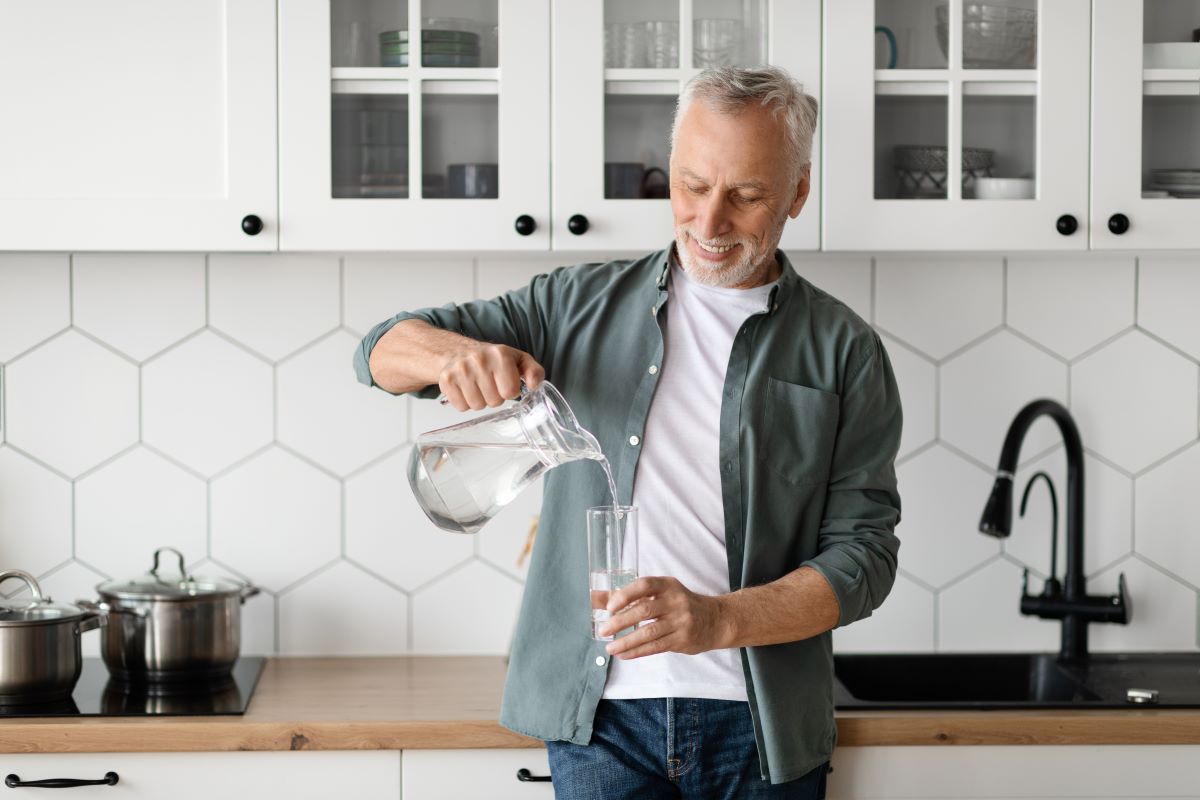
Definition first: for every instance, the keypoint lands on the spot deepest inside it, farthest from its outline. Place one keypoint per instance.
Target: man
(753, 420)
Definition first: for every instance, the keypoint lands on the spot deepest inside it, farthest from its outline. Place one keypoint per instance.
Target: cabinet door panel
(371, 775)
(454, 774)
(912, 153)
(137, 126)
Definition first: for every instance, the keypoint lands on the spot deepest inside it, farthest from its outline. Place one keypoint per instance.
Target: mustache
(720, 242)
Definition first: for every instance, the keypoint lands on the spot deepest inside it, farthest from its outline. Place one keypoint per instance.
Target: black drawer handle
(14, 782)
(525, 776)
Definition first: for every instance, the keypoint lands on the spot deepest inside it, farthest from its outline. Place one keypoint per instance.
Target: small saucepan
(40, 656)
(172, 628)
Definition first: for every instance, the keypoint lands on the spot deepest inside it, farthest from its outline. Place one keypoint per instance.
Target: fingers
(653, 637)
(485, 375)
(640, 588)
(531, 371)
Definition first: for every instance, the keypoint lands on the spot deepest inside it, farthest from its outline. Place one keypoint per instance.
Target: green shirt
(809, 429)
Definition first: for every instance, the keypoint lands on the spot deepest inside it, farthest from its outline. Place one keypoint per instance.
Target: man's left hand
(672, 619)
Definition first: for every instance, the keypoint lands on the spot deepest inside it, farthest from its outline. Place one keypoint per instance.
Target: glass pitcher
(464, 474)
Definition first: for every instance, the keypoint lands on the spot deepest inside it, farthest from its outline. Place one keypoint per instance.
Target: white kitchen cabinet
(1145, 124)
(138, 126)
(618, 67)
(455, 774)
(311, 775)
(989, 109)
(447, 152)
(1023, 771)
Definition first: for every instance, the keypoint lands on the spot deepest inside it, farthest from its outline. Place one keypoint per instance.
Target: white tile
(274, 304)
(387, 532)
(1107, 515)
(916, 376)
(470, 611)
(938, 304)
(1069, 305)
(139, 303)
(1164, 611)
(343, 611)
(328, 416)
(74, 581)
(207, 403)
(258, 612)
(275, 519)
(1166, 533)
(71, 403)
(499, 275)
(35, 515)
(903, 624)
(35, 300)
(943, 498)
(1167, 289)
(848, 278)
(1135, 400)
(379, 287)
(130, 507)
(503, 539)
(983, 613)
(984, 387)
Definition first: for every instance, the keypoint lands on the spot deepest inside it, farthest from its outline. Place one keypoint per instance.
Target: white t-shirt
(677, 489)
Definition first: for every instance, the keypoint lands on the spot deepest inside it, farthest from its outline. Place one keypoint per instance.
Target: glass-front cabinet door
(414, 124)
(956, 125)
(619, 66)
(1146, 124)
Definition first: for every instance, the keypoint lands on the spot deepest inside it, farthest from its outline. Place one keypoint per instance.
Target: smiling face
(731, 193)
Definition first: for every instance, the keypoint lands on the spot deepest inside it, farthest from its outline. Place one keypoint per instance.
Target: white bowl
(1004, 188)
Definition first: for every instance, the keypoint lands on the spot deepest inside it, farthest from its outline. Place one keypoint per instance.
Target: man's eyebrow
(757, 186)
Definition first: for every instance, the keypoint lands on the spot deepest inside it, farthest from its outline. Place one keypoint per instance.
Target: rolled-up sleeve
(520, 319)
(857, 545)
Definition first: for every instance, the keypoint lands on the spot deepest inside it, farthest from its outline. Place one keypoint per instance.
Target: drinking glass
(625, 45)
(612, 558)
(662, 44)
(717, 42)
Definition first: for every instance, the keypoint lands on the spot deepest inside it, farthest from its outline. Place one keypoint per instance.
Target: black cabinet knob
(1067, 224)
(251, 225)
(578, 224)
(1118, 223)
(525, 776)
(525, 225)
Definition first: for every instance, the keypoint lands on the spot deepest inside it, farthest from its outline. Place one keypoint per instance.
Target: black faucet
(1073, 605)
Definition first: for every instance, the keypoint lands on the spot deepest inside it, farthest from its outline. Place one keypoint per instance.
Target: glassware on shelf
(445, 42)
(370, 146)
(993, 36)
(625, 45)
(716, 42)
(662, 44)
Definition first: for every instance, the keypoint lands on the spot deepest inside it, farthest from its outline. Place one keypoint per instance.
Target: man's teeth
(718, 249)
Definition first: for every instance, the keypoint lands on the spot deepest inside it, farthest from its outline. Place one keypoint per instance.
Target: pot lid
(34, 608)
(182, 586)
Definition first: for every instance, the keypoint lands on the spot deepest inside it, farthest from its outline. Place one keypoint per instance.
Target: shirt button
(653, 369)
(728, 466)
(599, 661)
(633, 440)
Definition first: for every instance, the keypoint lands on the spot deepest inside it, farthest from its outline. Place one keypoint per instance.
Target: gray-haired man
(752, 418)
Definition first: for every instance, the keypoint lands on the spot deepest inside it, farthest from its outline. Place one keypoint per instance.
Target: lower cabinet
(438, 774)
(310, 775)
(1080, 772)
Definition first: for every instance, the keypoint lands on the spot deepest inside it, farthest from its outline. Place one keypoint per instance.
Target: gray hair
(729, 90)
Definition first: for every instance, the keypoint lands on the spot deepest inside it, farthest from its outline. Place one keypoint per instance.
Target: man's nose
(713, 217)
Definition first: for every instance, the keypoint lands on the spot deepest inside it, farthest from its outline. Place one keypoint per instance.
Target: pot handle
(182, 566)
(106, 609)
(92, 620)
(30, 581)
(247, 592)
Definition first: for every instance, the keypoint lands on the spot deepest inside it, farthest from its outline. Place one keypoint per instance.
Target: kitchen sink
(1013, 680)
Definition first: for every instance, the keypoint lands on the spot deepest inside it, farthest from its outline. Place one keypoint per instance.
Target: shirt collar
(779, 295)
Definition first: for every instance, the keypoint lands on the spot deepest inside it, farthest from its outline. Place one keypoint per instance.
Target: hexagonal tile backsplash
(207, 402)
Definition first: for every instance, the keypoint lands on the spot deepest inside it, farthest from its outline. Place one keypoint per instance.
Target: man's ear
(801, 195)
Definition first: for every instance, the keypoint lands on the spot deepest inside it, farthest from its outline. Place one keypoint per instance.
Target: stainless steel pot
(172, 628)
(40, 656)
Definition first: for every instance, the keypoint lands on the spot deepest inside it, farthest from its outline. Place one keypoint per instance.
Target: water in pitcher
(475, 481)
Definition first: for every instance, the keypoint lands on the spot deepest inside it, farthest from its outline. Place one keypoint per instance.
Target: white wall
(207, 402)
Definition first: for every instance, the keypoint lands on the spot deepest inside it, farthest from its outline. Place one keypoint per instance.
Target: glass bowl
(993, 36)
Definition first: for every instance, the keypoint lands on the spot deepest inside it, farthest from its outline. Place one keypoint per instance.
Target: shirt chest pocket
(799, 431)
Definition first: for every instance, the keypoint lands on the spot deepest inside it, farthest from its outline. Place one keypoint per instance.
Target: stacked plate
(1177, 182)
(439, 48)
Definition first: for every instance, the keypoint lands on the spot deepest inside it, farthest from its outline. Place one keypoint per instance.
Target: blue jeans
(671, 747)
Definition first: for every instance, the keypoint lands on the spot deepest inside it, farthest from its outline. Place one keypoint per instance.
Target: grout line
(3, 405)
(978, 340)
(73, 519)
(937, 402)
(1133, 515)
(1153, 465)
(412, 621)
(207, 293)
(275, 598)
(341, 291)
(274, 404)
(1004, 291)
(208, 506)
(1137, 286)
(141, 401)
(71, 289)
(342, 518)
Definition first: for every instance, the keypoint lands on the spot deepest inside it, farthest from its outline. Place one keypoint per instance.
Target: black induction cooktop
(98, 695)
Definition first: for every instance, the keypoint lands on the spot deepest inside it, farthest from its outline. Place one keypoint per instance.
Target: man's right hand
(480, 375)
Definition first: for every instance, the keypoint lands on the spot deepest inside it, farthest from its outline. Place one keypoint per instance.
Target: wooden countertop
(423, 702)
